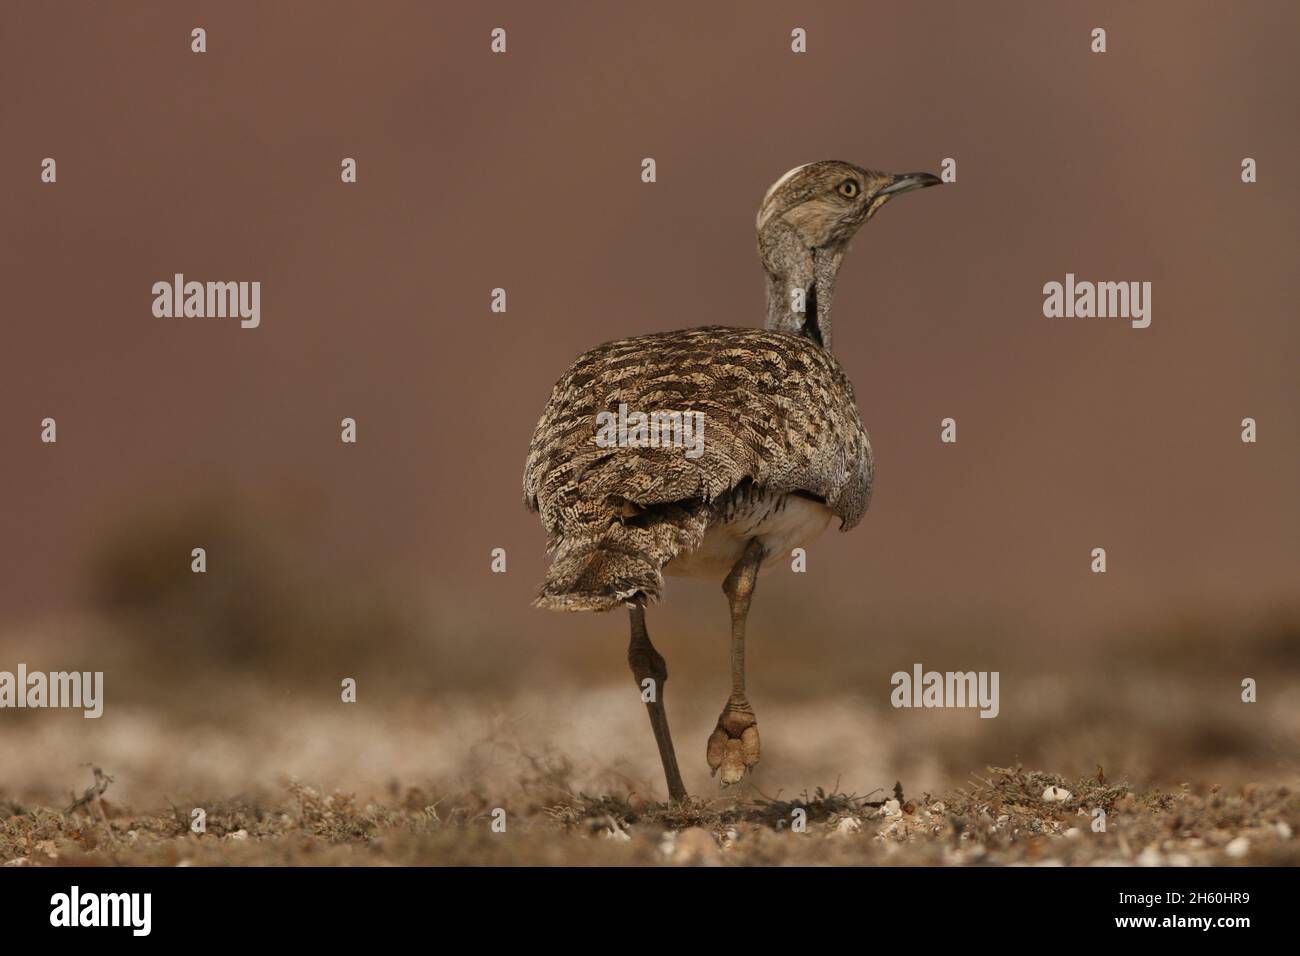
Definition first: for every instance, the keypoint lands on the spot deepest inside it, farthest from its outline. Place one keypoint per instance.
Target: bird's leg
(733, 745)
(648, 664)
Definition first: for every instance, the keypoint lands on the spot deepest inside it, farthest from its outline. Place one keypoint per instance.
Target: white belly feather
(780, 522)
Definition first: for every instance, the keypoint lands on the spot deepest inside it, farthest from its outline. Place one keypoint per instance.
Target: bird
(784, 450)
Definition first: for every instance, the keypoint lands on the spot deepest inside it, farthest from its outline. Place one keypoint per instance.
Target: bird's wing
(778, 410)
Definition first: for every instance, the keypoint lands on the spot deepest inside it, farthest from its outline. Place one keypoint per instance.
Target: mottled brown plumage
(779, 414)
(783, 447)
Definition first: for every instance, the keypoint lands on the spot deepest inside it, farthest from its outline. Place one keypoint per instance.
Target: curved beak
(906, 182)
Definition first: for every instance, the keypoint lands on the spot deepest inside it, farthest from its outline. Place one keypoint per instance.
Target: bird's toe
(733, 748)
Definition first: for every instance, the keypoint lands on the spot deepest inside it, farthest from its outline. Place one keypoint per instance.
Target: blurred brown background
(522, 171)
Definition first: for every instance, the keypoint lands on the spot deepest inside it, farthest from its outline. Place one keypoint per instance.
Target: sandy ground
(574, 778)
(465, 727)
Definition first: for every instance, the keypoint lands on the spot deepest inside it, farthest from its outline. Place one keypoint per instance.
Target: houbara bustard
(782, 452)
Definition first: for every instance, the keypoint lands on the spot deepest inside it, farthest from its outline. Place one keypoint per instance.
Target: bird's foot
(733, 745)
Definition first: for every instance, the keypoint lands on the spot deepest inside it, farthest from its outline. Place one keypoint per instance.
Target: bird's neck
(799, 301)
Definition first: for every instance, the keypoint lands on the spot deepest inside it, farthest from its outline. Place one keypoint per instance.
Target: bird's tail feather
(599, 575)
(619, 559)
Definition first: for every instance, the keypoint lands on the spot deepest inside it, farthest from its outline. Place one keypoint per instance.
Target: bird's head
(804, 226)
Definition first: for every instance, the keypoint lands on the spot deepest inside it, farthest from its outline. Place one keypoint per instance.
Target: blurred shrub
(267, 604)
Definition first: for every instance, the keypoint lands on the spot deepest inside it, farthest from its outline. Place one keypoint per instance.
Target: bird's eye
(849, 189)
